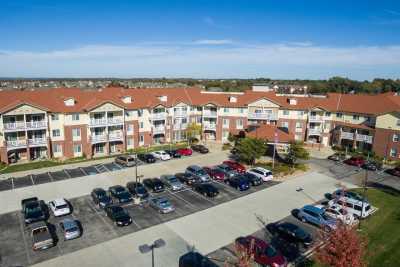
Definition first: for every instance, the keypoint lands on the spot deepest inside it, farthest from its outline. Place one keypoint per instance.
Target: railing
(37, 141)
(16, 144)
(115, 136)
(114, 121)
(299, 130)
(364, 138)
(98, 138)
(262, 116)
(315, 119)
(98, 122)
(158, 129)
(180, 113)
(20, 125)
(159, 116)
(209, 126)
(36, 124)
(314, 131)
(209, 113)
(180, 126)
(347, 135)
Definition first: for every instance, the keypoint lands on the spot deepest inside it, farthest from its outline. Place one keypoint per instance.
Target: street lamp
(147, 248)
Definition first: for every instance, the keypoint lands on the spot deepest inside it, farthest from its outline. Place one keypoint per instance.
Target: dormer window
(69, 102)
(163, 98)
(127, 99)
(292, 101)
(233, 99)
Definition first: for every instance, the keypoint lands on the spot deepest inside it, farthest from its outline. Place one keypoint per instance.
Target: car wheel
(303, 219)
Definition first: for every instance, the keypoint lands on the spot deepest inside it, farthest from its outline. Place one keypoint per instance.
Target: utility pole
(363, 200)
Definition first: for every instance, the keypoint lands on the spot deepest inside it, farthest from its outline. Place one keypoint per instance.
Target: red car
(264, 254)
(185, 151)
(355, 161)
(235, 165)
(395, 171)
(215, 173)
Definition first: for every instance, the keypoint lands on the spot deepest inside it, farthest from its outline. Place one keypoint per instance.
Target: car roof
(69, 223)
(313, 209)
(59, 201)
(195, 167)
(261, 169)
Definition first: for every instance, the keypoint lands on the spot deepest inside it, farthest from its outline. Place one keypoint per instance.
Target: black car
(173, 153)
(148, 158)
(206, 189)
(118, 215)
(252, 179)
(371, 166)
(195, 259)
(238, 182)
(100, 197)
(137, 189)
(185, 178)
(200, 148)
(33, 209)
(154, 184)
(290, 233)
(394, 172)
(120, 194)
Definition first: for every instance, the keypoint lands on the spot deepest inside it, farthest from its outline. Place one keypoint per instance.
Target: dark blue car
(239, 182)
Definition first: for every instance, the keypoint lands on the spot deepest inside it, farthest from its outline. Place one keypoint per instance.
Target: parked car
(394, 171)
(264, 254)
(185, 178)
(154, 184)
(148, 158)
(59, 207)
(118, 215)
(70, 229)
(198, 172)
(41, 236)
(253, 179)
(137, 190)
(162, 205)
(100, 197)
(33, 209)
(371, 166)
(126, 160)
(340, 193)
(239, 182)
(162, 155)
(200, 148)
(228, 171)
(337, 157)
(360, 209)
(120, 194)
(338, 212)
(206, 189)
(316, 216)
(355, 161)
(172, 182)
(185, 151)
(215, 173)
(264, 174)
(173, 153)
(235, 165)
(195, 259)
(291, 233)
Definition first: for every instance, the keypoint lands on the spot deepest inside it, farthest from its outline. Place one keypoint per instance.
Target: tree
(296, 151)
(249, 149)
(343, 247)
(193, 130)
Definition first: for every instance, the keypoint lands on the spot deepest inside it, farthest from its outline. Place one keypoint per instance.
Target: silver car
(198, 172)
(162, 205)
(70, 229)
(172, 182)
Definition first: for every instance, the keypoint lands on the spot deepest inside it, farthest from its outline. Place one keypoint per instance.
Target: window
(129, 141)
(198, 119)
(141, 125)
(285, 124)
(56, 133)
(199, 109)
(396, 137)
(327, 114)
(286, 112)
(226, 110)
(327, 126)
(239, 123)
(130, 128)
(398, 123)
(77, 149)
(130, 113)
(191, 108)
(54, 117)
(75, 117)
(141, 138)
(56, 148)
(140, 112)
(241, 110)
(76, 132)
(299, 125)
(393, 152)
(300, 113)
(339, 115)
(184, 120)
(225, 122)
(356, 117)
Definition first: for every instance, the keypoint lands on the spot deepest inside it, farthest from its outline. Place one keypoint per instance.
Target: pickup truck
(41, 236)
(33, 210)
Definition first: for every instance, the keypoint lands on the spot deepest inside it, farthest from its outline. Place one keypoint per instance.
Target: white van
(354, 206)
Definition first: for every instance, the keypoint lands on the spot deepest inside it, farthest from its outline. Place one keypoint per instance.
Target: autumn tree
(249, 149)
(193, 130)
(343, 247)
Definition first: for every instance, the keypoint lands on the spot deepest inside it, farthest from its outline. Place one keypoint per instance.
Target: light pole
(147, 248)
(363, 200)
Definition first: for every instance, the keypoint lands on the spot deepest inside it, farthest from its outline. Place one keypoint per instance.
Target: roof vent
(233, 99)
(69, 102)
(292, 101)
(163, 98)
(127, 99)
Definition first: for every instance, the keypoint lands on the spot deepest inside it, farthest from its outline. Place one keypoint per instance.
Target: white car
(264, 174)
(161, 155)
(59, 207)
(339, 212)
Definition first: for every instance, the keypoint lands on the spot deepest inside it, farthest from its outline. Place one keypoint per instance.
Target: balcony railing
(364, 138)
(98, 138)
(347, 135)
(180, 126)
(262, 116)
(314, 131)
(12, 126)
(36, 124)
(315, 119)
(158, 129)
(115, 121)
(209, 113)
(180, 113)
(117, 136)
(159, 116)
(98, 122)
(14, 144)
(209, 126)
(37, 142)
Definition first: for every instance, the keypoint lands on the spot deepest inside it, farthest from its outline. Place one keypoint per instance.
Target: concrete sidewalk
(207, 230)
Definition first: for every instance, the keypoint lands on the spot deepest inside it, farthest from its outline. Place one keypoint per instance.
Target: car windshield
(173, 180)
(119, 190)
(64, 206)
(326, 216)
(300, 233)
(140, 189)
(71, 229)
(270, 252)
(33, 208)
(164, 203)
(131, 159)
(201, 172)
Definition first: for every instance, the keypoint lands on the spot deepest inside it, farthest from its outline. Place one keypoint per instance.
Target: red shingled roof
(267, 132)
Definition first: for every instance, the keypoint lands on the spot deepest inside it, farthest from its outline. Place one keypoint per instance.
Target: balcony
(364, 138)
(316, 119)
(209, 126)
(158, 129)
(159, 116)
(32, 125)
(180, 113)
(37, 142)
(14, 126)
(115, 136)
(98, 122)
(314, 131)
(98, 138)
(15, 144)
(346, 135)
(209, 113)
(115, 121)
(180, 126)
(262, 116)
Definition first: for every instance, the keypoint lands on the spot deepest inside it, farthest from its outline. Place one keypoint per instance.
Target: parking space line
(228, 187)
(84, 172)
(184, 200)
(138, 226)
(31, 176)
(102, 218)
(12, 182)
(205, 198)
(21, 226)
(115, 164)
(69, 176)
(105, 167)
(51, 177)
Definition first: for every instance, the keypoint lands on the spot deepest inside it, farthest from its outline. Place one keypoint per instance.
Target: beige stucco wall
(388, 121)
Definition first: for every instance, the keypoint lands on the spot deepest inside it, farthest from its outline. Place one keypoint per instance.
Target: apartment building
(70, 122)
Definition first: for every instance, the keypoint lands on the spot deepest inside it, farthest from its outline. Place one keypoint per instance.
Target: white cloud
(281, 60)
(213, 42)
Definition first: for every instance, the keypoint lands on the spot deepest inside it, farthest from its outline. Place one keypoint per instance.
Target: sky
(200, 39)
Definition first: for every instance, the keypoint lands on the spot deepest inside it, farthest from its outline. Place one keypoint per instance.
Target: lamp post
(363, 200)
(150, 248)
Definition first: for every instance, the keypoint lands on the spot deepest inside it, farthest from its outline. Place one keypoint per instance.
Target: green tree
(249, 149)
(296, 151)
(193, 130)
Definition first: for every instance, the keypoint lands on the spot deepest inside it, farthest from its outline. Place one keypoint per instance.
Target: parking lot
(98, 228)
